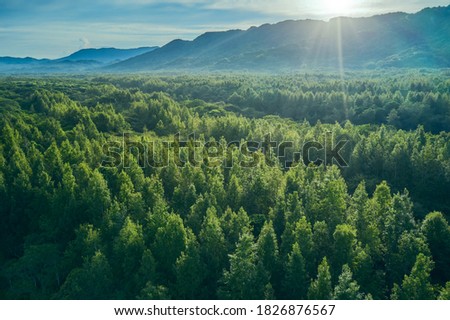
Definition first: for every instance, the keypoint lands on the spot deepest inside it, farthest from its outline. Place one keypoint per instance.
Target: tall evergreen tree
(437, 233)
(243, 280)
(267, 250)
(320, 289)
(346, 288)
(189, 272)
(417, 285)
(213, 250)
(295, 284)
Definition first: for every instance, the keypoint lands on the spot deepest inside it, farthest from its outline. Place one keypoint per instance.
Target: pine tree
(267, 249)
(128, 197)
(371, 279)
(344, 247)
(234, 225)
(320, 289)
(234, 193)
(399, 219)
(128, 249)
(445, 292)
(304, 237)
(244, 279)
(93, 281)
(189, 271)
(362, 218)
(417, 285)
(53, 163)
(147, 269)
(295, 284)
(437, 233)
(347, 288)
(381, 203)
(170, 241)
(321, 240)
(154, 292)
(212, 249)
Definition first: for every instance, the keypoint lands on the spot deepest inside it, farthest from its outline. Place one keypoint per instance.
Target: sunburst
(338, 6)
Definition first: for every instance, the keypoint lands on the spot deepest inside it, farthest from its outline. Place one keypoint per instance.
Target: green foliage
(72, 228)
(437, 233)
(152, 292)
(344, 246)
(445, 293)
(417, 285)
(93, 280)
(128, 250)
(189, 271)
(213, 249)
(295, 283)
(346, 288)
(267, 250)
(170, 242)
(245, 279)
(320, 288)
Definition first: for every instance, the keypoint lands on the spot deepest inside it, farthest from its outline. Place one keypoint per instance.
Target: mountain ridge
(78, 61)
(395, 39)
(106, 55)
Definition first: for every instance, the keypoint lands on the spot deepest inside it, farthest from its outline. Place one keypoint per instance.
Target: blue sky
(55, 28)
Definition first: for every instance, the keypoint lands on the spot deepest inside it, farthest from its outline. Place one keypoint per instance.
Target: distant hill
(401, 40)
(106, 55)
(12, 60)
(390, 40)
(80, 61)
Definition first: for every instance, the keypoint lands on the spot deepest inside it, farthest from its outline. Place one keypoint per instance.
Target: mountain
(13, 60)
(80, 61)
(106, 55)
(420, 40)
(391, 40)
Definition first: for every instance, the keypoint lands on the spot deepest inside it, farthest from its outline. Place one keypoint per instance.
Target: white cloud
(312, 8)
(85, 43)
(285, 7)
(55, 39)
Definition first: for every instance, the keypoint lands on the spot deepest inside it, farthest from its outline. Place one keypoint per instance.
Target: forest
(376, 228)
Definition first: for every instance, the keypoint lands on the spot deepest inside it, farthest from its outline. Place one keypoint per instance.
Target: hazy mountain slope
(13, 60)
(396, 39)
(80, 61)
(106, 55)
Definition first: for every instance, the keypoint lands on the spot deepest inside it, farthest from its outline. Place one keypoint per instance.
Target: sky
(56, 28)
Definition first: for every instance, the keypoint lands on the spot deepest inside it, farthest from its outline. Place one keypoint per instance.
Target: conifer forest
(225, 186)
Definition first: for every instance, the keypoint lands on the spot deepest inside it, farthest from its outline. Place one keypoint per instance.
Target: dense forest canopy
(377, 228)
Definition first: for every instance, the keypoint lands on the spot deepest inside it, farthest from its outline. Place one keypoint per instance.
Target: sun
(338, 6)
